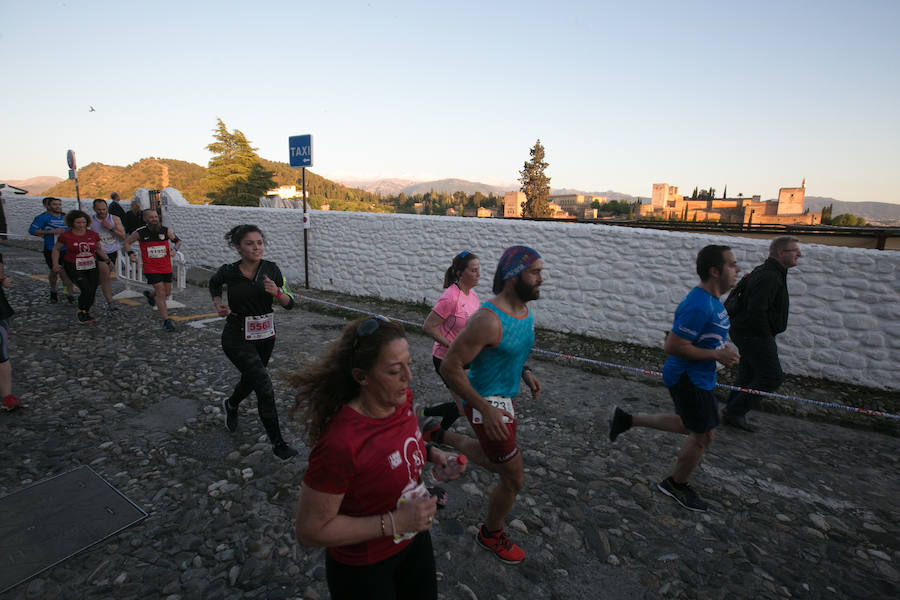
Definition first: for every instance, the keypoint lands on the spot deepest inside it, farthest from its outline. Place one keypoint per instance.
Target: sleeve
(446, 304)
(760, 296)
(281, 282)
(217, 281)
(330, 469)
(689, 323)
(36, 225)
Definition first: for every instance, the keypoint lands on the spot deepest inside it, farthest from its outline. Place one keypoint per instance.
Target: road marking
(200, 324)
(193, 317)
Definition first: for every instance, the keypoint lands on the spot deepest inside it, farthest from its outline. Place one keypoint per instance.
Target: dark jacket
(759, 305)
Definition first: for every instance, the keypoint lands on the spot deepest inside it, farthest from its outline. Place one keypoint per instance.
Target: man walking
(156, 261)
(50, 225)
(694, 345)
(758, 308)
(496, 340)
(115, 206)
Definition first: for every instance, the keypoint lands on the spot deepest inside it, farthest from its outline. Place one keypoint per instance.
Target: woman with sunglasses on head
(254, 285)
(448, 317)
(363, 496)
(82, 248)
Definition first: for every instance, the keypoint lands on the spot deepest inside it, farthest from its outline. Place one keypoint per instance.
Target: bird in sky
(92, 109)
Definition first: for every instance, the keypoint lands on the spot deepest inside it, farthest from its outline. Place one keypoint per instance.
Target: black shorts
(437, 366)
(697, 408)
(154, 278)
(48, 258)
(4, 340)
(113, 257)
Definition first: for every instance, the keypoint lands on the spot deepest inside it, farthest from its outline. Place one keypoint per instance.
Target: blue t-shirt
(702, 320)
(46, 221)
(497, 371)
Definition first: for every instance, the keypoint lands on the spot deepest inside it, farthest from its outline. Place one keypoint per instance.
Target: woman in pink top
(448, 317)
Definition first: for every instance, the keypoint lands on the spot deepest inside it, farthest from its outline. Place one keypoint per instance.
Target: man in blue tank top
(496, 340)
(694, 345)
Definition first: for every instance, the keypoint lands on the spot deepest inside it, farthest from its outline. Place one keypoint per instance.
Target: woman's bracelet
(382, 525)
(279, 294)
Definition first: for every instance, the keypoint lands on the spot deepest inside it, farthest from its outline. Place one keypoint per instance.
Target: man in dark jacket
(758, 308)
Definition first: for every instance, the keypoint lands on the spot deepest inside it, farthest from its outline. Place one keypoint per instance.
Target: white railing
(132, 275)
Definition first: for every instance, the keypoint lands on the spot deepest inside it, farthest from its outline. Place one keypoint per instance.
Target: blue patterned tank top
(497, 371)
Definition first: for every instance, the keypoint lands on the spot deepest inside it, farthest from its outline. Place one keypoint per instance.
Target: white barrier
(131, 273)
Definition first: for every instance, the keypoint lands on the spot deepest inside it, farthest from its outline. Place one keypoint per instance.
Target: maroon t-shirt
(80, 249)
(372, 462)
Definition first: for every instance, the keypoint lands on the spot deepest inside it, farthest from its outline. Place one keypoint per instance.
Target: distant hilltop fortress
(667, 203)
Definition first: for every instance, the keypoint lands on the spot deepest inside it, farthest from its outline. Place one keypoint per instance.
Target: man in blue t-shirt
(49, 225)
(694, 345)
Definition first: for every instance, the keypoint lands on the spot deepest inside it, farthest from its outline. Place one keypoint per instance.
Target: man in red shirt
(156, 260)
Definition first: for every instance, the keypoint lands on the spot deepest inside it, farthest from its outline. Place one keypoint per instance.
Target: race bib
(501, 402)
(157, 252)
(259, 328)
(84, 263)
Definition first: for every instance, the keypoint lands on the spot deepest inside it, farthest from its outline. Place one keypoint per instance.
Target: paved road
(802, 509)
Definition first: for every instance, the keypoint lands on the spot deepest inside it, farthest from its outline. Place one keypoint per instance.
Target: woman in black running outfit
(248, 339)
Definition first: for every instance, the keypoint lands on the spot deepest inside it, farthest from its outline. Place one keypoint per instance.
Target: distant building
(512, 205)
(667, 203)
(286, 191)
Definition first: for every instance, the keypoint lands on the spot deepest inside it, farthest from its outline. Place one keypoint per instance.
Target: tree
(535, 184)
(235, 171)
(826, 215)
(848, 220)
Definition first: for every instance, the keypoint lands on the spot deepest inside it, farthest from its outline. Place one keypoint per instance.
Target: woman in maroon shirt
(82, 247)
(363, 496)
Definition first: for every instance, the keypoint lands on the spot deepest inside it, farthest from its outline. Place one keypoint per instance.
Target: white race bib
(157, 252)
(259, 328)
(84, 263)
(501, 402)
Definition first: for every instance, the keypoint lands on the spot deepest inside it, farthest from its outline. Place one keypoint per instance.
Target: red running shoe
(11, 403)
(500, 545)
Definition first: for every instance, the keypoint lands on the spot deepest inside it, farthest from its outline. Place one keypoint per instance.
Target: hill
(610, 195)
(34, 185)
(382, 187)
(449, 186)
(876, 213)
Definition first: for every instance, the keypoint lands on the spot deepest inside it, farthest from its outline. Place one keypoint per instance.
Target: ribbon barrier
(600, 363)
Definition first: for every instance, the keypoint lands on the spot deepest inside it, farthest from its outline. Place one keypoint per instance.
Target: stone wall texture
(615, 283)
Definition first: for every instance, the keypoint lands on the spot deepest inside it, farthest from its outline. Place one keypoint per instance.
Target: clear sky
(755, 96)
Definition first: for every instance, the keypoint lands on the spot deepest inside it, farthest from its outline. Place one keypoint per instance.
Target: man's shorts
(497, 451)
(154, 278)
(113, 257)
(4, 340)
(698, 409)
(48, 258)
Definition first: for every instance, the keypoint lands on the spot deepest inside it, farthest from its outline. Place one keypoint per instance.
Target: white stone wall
(614, 283)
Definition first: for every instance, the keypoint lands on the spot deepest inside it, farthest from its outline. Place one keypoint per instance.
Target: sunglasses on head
(463, 254)
(368, 327)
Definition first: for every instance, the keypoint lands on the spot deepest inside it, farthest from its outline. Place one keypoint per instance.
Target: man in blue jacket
(758, 308)
(49, 225)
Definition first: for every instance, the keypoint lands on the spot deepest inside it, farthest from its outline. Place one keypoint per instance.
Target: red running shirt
(80, 249)
(154, 250)
(371, 462)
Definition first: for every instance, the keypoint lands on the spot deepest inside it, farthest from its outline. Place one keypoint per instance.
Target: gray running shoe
(683, 493)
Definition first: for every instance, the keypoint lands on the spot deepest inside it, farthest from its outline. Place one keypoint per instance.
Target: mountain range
(34, 185)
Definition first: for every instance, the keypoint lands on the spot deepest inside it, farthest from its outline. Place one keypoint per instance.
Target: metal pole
(305, 233)
(77, 195)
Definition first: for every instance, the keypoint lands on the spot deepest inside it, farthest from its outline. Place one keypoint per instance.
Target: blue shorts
(698, 409)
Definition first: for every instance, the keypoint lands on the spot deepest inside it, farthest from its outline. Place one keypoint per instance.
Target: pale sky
(754, 96)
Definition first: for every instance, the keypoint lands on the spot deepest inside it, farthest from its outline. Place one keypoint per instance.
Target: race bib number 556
(259, 328)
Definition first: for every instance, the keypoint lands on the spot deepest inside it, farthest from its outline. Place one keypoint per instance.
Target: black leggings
(409, 575)
(87, 281)
(251, 359)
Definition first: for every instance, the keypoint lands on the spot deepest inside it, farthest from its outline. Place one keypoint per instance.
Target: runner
(363, 497)
(82, 246)
(156, 261)
(695, 344)
(9, 401)
(448, 317)
(110, 230)
(49, 225)
(496, 341)
(249, 334)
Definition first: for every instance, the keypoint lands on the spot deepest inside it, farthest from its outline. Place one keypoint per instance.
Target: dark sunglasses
(367, 328)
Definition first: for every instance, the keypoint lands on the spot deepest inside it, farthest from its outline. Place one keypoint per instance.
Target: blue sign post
(300, 155)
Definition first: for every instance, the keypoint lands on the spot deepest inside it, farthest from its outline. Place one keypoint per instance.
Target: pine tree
(235, 172)
(535, 184)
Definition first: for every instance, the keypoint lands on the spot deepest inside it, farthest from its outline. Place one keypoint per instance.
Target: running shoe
(432, 432)
(150, 299)
(54, 297)
(502, 547)
(284, 452)
(619, 423)
(70, 298)
(231, 416)
(683, 493)
(83, 317)
(168, 325)
(111, 307)
(11, 402)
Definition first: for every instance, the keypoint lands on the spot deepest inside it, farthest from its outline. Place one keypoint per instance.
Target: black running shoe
(83, 317)
(168, 325)
(70, 298)
(231, 416)
(150, 299)
(619, 423)
(683, 493)
(54, 297)
(284, 452)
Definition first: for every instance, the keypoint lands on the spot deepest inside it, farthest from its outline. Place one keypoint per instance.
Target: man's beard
(524, 291)
(153, 227)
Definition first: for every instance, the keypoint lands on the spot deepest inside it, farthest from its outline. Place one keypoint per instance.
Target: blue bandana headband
(515, 259)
